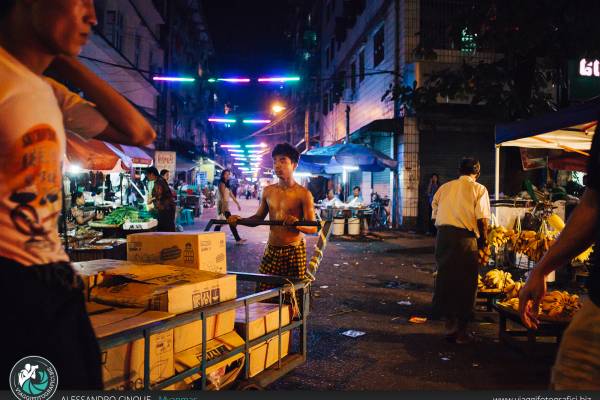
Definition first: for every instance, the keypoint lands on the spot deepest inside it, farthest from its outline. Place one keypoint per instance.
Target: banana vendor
(461, 211)
(287, 201)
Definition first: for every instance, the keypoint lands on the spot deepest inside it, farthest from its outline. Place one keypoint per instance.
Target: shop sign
(166, 160)
(589, 67)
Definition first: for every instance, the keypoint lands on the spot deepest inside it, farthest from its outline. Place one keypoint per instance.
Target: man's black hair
(286, 150)
(77, 195)
(163, 172)
(356, 187)
(6, 6)
(152, 170)
(469, 166)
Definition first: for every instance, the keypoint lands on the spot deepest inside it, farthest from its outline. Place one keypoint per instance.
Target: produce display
(126, 213)
(555, 305)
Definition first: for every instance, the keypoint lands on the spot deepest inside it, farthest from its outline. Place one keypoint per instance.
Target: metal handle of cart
(253, 223)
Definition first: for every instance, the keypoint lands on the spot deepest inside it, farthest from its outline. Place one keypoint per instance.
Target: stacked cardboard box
(264, 318)
(154, 290)
(203, 251)
(123, 365)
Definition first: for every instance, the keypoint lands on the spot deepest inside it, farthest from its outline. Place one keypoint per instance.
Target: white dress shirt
(460, 203)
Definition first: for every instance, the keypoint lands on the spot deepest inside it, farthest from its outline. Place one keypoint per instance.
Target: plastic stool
(187, 216)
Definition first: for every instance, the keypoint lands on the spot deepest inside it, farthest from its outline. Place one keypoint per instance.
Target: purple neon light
(234, 80)
(172, 79)
(280, 79)
(226, 120)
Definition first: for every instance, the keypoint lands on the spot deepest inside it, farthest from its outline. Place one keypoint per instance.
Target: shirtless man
(286, 201)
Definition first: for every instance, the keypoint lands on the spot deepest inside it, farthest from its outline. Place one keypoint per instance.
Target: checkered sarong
(283, 261)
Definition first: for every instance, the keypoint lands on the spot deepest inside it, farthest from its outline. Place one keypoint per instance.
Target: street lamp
(277, 108)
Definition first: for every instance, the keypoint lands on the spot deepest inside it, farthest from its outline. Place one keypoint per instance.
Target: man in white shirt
(461, 211)
(41, 297)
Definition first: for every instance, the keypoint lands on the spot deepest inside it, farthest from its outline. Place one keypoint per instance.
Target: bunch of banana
(558, 224)
(560, 304)
(485, 255)
(511, 303)
(534, 244)
(497, 279)
(512, 290)
(480, 284)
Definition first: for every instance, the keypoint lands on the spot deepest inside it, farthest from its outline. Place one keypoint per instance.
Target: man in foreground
(42, 301)
(287, 201)
(461, 211)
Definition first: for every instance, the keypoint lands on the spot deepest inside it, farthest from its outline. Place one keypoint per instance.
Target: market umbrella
(337, 156)
(95, 155)
(308, 167)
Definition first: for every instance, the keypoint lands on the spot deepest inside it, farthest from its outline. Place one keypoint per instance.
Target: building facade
(125, 50)
(366, 47)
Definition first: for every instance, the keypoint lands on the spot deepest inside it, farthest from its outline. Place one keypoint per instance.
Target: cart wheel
(249, 386)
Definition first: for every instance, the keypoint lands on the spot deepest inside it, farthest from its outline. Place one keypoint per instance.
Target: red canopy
(568, 162)
(137, 155)
(95, 154)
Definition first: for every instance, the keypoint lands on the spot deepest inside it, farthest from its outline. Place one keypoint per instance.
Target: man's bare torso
(283, 202)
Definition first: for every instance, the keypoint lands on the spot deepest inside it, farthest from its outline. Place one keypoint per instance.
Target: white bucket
(353, 226)
(338, 226)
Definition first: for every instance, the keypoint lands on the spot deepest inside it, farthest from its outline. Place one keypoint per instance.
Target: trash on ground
(345, 263)
(475, 365)
(396, 318)
(323, 287)
(351, 333)
(336, 265)
(404, 303)
(445, 359)
(417, 320)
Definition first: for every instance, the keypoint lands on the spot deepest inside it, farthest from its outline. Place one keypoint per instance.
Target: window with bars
(378, 46)
(361, 66)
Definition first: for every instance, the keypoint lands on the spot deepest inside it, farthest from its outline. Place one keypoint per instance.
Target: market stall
(524, 227)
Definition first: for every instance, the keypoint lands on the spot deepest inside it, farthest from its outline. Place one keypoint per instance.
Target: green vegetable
(126, 213)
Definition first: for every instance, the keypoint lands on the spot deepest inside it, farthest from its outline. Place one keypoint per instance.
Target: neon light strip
(236, 151)
(255, 145)
(280, 79)
(172, 79)
(230, 145)
(225, 120)
(234, 80)
(256, 121)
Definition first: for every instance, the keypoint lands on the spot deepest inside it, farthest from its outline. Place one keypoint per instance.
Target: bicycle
(380, 216)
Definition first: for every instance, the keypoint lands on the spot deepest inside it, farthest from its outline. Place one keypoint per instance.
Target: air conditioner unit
(348, 96)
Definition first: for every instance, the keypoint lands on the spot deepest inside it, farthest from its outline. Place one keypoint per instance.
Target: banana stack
(560, 304)
(554, 305)
(485, 255)
(512, 291)
(534, 244)
(499, 236)
(496, 280)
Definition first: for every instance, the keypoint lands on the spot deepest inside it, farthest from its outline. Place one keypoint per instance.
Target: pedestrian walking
(461, 211)
(577, 365)
(223, 195)
(41, 298)
(432, 188)
(162, 200)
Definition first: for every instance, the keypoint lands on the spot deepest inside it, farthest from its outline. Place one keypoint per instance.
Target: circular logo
(32, 378)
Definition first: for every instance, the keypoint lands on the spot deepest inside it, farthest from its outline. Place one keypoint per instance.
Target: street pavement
(358, 287)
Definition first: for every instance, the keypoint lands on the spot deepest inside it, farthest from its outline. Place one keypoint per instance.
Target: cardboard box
(204, 251)
(163, 288)
(123, 365)
(190, 335)
(91, 272)
(263, 319)
(220, 374)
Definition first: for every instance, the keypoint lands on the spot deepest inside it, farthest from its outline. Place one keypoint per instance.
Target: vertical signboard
(166, 160)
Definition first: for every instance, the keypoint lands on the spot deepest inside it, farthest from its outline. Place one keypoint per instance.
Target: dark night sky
(251, 38)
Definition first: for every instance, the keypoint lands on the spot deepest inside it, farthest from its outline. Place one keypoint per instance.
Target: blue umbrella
(350, 155)
(308, 167)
